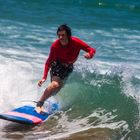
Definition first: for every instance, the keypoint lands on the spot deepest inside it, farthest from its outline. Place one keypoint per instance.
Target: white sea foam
(104, 120)
(19, 72)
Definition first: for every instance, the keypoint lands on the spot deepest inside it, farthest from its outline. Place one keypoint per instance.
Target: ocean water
(101, 98)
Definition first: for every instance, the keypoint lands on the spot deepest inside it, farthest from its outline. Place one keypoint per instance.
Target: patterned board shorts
(60, 70)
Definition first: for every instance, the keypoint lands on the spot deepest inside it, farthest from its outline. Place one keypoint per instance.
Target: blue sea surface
(100, 94)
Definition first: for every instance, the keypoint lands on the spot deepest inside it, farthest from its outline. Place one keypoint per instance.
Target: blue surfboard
(28, 115)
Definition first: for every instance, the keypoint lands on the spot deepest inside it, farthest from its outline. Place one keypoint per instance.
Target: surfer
(63, 53)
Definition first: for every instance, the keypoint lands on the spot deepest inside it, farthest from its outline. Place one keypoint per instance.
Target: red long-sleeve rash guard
(67, 55)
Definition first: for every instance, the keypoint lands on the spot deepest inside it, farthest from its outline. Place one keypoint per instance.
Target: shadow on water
(15, 130)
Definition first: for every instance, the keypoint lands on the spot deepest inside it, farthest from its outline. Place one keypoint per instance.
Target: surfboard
(27, 114)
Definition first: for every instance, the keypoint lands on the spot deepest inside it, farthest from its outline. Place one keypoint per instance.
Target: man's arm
(90, 51)
(47, 66)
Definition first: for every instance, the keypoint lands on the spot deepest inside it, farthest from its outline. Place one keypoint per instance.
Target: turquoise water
(101, 95)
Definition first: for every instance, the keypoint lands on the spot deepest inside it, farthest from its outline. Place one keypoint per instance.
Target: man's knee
(55, 85)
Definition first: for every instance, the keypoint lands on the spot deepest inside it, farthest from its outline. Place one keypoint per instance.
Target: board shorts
(61, 70)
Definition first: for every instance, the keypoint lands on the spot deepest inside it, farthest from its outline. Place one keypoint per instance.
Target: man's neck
(64, 44)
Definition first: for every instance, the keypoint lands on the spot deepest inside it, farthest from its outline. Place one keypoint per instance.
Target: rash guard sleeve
(48, 62)
(86, 47)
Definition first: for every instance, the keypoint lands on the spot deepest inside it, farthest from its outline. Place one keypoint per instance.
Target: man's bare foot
(39, 109)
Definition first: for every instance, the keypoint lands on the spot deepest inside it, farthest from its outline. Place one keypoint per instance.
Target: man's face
(63, 37)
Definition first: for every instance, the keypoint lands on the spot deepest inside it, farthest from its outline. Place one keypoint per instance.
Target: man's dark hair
(64, 27)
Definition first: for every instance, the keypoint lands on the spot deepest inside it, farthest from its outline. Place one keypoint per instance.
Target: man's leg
(54, 86)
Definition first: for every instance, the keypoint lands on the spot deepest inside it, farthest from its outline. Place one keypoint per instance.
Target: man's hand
(87, 56)
(40, 82)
